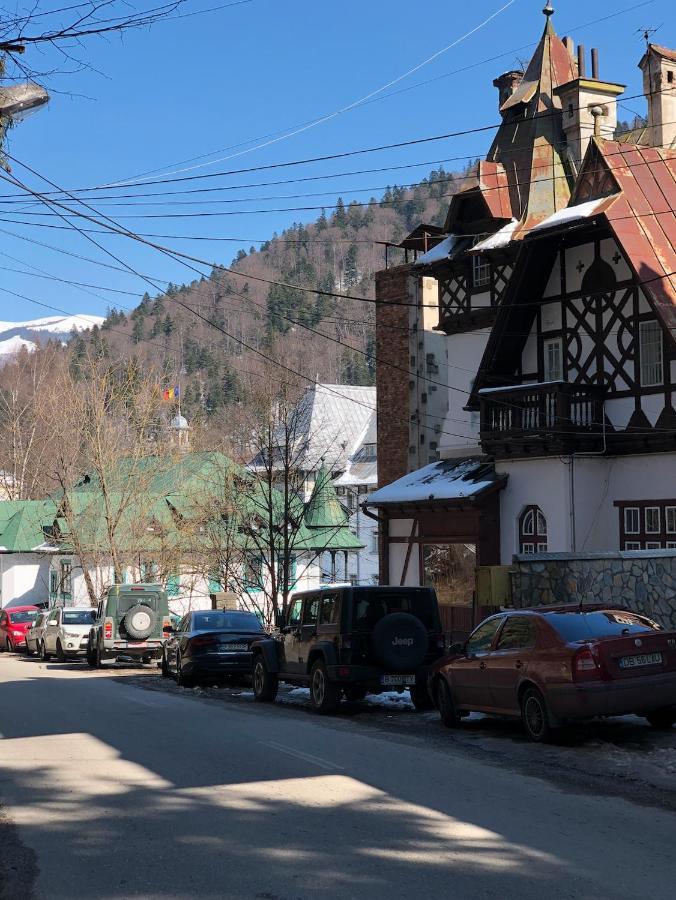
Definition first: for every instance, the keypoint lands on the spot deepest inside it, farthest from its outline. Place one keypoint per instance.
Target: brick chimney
(659, 86)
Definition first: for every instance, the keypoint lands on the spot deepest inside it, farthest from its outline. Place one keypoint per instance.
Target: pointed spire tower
(531, 143)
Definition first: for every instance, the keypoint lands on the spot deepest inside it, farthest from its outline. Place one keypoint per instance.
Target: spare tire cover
(140, 621)
(400, 642)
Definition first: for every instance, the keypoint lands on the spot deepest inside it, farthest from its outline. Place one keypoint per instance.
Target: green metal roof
(22, 524)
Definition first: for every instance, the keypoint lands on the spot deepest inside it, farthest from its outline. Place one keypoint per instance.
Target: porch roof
(443, 483)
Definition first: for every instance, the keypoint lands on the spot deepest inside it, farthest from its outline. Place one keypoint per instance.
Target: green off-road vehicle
(132, 622)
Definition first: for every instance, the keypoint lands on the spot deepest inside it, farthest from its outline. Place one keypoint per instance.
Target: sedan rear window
(226, 621)
(78, 616)
(582, 626)
(369, 607)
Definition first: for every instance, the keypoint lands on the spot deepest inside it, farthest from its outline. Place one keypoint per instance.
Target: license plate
(233, 648)
(643, 659)
(397, 679)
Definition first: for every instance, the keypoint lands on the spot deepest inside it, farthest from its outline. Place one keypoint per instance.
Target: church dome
(180, 423)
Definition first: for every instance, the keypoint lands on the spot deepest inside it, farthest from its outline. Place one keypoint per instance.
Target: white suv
(66, 633)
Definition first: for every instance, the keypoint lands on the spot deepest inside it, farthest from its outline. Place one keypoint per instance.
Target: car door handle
(482, 665)
(518, 664)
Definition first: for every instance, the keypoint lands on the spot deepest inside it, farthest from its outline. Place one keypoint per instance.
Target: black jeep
(352, 641)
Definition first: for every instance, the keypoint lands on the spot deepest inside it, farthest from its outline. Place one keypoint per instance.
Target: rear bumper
(113, 649)
(617, 698)
(369, 676)
(219, 663)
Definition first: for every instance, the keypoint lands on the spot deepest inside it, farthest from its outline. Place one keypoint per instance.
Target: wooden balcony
(541, 419)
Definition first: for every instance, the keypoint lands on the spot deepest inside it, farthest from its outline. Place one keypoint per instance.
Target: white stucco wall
(24, 577)
(461, 428)
(597, 483)
(398, 561)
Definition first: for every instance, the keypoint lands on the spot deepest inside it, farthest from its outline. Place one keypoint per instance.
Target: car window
(294, 612)
(77, 616)
(329, 609)
(311, 611)
(26, 615)
(518, 634)
(52, 618)
(482, 638)
(184, 624)
(581, 626)
(229, 621)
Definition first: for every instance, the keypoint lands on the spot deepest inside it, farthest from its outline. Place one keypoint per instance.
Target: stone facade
(641, 581)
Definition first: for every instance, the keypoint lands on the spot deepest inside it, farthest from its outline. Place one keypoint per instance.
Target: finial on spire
(549, 9)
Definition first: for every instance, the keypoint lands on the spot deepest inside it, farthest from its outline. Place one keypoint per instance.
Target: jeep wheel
(44, 656)
(183, 680)
(265, 684)
(420, 697)
(324, 695)
(447, 710)
(60, 655)
(164, 667)
(91, 655)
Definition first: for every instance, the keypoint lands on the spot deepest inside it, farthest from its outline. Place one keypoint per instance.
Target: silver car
(34, 633)
(66, 633)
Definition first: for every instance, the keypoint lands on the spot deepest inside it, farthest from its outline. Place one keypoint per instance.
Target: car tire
(265, 683)
(448, 712)
(164, 668)
(535, 716)
(10, 646)
(183, 680)
(355, 693)
(662, 718)
(90, 655)
(60, 655)
(324, 695)
(44, 656)
(420, 698)
(27, 649)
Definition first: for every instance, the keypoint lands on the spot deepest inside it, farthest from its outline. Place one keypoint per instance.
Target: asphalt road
(112, 791)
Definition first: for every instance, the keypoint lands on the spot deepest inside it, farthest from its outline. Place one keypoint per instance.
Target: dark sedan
(210, 643)
(555, 665)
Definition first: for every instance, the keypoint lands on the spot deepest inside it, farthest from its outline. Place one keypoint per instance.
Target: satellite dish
(19, 100)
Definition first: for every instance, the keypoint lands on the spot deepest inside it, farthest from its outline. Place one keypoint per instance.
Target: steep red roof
(494, 187)
(643, 218)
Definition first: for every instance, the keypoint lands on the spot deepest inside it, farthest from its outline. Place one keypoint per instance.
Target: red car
(14, 623)
(555, 665)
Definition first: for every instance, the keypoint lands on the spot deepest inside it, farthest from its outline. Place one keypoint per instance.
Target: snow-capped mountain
(14, 336)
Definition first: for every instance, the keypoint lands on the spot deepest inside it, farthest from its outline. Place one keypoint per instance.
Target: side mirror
(457, 649)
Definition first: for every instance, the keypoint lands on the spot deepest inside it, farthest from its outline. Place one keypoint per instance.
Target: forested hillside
(213, 335)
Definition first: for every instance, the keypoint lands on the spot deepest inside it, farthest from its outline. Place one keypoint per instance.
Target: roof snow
(443, 480)
(571, 214)
(439, 253)
(501, 238)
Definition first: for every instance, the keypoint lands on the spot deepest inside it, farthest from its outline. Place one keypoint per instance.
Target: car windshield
(226, 621)
(27, 615)
(582, 626)
(369, 607)
(78, 616)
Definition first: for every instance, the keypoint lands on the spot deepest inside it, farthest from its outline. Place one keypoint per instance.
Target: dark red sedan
(14, 623)
(555, 665)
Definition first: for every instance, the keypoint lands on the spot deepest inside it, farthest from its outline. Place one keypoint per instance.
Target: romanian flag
(171, 393)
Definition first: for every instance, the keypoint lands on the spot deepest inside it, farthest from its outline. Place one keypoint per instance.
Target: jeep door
(308, 634)
(289, 645)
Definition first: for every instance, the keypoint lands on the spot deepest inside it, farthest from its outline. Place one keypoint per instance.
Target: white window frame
(632, 545)
(557, 345)
(650, 339)
(637, 511)
(528, 549)
(542, 548)
(670, 519)
(374, 542)
(651, 509)
(653, 545)
(529, 517)
(481, 266)
(670, 545)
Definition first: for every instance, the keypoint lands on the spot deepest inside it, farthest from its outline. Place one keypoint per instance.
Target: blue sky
(193, 85)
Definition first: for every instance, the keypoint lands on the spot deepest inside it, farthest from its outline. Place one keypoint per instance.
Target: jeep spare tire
(400, 642)
(139, 622)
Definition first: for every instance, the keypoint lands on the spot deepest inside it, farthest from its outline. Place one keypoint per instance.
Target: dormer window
(651, 353)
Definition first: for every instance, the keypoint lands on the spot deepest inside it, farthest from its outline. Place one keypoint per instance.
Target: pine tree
(137, 332)
(340, 216)
(351, 276)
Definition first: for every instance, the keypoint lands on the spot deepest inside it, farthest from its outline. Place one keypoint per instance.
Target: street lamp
(19, 100)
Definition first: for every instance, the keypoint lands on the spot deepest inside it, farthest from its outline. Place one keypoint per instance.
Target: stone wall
(642, 581)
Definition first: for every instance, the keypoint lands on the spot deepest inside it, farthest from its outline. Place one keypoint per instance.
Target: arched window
(532, 531)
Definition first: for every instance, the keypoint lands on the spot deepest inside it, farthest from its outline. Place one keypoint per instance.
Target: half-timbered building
(557, 295)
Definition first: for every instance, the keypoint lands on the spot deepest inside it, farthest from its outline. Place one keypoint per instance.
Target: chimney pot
(595, 64)
(581, 65)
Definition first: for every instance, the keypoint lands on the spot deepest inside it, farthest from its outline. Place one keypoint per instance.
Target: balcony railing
(554, 417)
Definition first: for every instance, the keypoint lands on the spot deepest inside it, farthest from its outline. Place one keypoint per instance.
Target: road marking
(306, 757)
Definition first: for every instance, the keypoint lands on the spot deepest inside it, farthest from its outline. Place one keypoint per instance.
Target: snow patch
(14, 345)
(571, 214)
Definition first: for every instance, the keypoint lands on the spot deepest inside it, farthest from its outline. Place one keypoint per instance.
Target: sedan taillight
(204, 640)
(586, 665)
